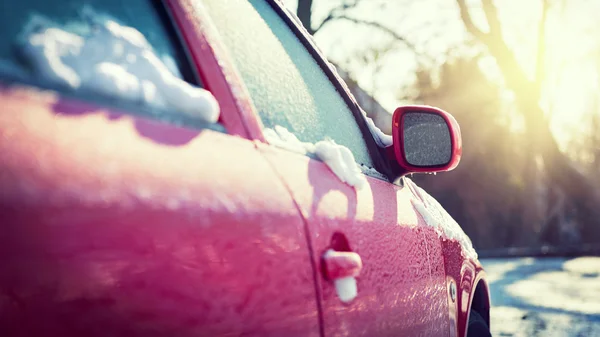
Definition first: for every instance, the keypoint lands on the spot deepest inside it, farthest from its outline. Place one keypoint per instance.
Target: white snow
(572, 285)
(586, 266)
(382, 139)
(346, 288)
(338, 158)
(282, 138)
(544, 296)
(436, 216)
(341, 161)
(113, 60)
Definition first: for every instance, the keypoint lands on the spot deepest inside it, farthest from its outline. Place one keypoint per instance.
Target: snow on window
(382, 139)
(434, 215)
(112, 60)
(337, 157)
(281, 137)
(286, 83)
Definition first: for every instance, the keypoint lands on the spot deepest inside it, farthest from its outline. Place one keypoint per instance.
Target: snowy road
(545, 296)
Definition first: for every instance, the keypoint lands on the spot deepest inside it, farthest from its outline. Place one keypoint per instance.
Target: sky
(434, 26)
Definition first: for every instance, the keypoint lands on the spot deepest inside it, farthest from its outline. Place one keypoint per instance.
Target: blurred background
(523, 80)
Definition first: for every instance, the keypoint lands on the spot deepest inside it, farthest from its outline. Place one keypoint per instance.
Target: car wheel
(477, 326)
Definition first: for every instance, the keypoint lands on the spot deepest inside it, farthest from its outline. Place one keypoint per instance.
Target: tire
(477, 326)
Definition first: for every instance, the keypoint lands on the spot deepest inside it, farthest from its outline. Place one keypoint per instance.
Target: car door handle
(341, 264)
(342, 268)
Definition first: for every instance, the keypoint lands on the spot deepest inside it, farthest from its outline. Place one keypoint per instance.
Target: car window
(139, 14)
(285, 82)
(125, 53)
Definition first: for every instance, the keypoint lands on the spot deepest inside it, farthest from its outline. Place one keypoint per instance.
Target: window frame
(167, 16)
(378, 155)
(216, 69)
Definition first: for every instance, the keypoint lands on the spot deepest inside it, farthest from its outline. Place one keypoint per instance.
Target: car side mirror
(425, 139)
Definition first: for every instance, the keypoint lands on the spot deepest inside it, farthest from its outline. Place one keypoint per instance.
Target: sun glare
(571, 67)
(570, 81)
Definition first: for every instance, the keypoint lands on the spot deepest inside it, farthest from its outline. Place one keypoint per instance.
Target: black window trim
(170, 24)
(377, 154)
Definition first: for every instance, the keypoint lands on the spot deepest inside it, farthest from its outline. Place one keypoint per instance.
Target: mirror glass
(427, 140)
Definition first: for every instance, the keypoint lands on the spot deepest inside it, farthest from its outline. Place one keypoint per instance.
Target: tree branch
(513, 73)
(577, 187)
(541, 46)
(468, 22)
(381, 27)
(491, 15)
(336, 12)
(304, 13)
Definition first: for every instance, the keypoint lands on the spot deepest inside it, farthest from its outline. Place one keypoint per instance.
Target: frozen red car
(197, 168)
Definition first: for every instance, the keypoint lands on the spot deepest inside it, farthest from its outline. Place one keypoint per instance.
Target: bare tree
(304, 13)
(369, 55)
(580, 193)
(340, 13)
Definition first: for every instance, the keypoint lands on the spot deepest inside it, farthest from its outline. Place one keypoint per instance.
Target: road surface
(545, 296)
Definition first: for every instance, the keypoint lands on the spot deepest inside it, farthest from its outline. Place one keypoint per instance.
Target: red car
(133, 203)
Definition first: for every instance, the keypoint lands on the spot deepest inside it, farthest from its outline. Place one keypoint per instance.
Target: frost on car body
(337, 157)
(113, 60)
(434, 215)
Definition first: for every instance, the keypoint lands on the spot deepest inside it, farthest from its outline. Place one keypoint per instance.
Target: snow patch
(558, 290)
(113, 60)
(338, 158)
(586, 266)
(341, 161)
(382, 139)
(282, 138)
(557, 297)
(436, 216)
(346, 288)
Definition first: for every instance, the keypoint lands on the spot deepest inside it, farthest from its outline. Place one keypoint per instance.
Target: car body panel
(467, 274)
(396, 293)
(443, 314)
(115, 225)
(456, 261)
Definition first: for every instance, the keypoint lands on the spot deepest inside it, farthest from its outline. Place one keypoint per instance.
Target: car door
(124, 220)
(398, 292)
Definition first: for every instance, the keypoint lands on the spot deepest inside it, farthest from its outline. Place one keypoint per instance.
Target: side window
(287, 85)
(124, 52)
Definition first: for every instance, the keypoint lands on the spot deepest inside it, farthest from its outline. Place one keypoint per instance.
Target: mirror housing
(425, 140)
